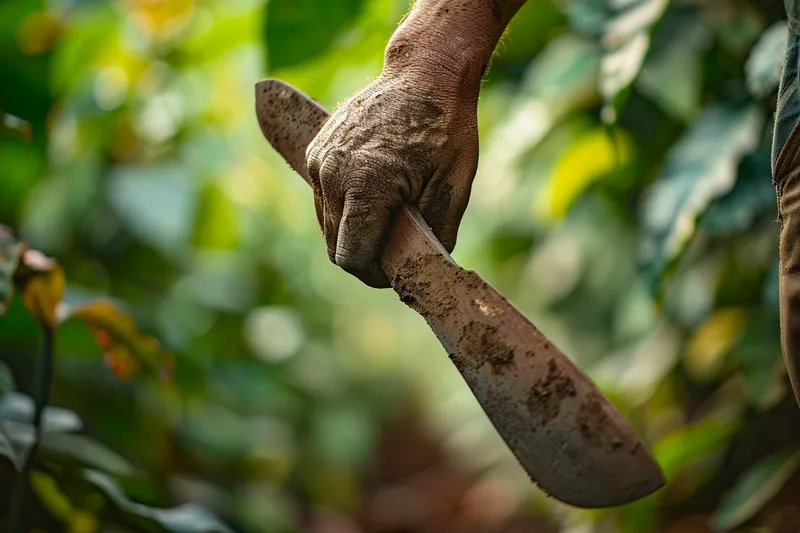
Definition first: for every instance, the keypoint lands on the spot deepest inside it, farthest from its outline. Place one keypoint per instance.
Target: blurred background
(623, 202)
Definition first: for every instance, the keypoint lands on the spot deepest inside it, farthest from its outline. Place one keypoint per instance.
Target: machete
(568, 437)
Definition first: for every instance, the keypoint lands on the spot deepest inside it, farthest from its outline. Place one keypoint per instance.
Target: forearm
(454, 38)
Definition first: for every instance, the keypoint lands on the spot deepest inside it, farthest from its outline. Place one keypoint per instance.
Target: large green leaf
(766, 59)
(188, 518)
(17, 435)
(672, 74)
(754, 489)
(18, 408)
(65, 448)
(751, 199)
(299, 30)
(686, 444)
(7, 449)
(700, 168)
(625, 30)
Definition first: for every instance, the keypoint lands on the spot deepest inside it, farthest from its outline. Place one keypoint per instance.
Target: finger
(332, 199)
(445, 199)
(313, 164)
(362, 233)
(319, 207)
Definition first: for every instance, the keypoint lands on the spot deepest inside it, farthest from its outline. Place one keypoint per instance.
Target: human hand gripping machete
(565, 433)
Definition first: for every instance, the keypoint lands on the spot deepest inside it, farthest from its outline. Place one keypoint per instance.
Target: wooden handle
(551, 415)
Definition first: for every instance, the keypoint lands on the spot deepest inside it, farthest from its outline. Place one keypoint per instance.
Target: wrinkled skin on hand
(401, 139)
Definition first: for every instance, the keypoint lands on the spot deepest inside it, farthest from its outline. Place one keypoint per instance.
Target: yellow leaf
(127, 350)
(592, 156)
(710, 342)
(42, 284)
(50, 495)
(82, 522)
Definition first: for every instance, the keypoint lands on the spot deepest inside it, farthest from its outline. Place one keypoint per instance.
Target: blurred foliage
(213, 372)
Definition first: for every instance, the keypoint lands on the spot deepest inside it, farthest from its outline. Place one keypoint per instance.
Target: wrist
(443, 44)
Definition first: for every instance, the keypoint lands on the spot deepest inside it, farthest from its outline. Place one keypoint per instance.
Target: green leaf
(7, 449)
(65, 448)
(42, 283)
(672, 75)
(763, 67)
(14, 127)
(592, 156)
(216, 222)
(6, 380)
(751, 199)
(92, 30)
(18, 408)
(188, 518)
(16, 425)
(299, 30)
(686, 444)
(700, 168)
(625, 30)
(10, 252)
(754, 489)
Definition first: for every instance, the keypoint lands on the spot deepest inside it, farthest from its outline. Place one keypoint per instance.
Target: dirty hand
(409, 136)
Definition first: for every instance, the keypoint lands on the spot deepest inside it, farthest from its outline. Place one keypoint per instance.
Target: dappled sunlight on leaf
(592, 156)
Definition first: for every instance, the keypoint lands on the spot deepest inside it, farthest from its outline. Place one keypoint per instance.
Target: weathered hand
(406, 137)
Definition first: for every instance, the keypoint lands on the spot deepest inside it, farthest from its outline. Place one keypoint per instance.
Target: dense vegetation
(207, 369)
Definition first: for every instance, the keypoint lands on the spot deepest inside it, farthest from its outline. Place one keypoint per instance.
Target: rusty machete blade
(555, 420)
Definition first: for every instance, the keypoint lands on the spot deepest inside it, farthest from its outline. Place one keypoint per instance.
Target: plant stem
(41, 397)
